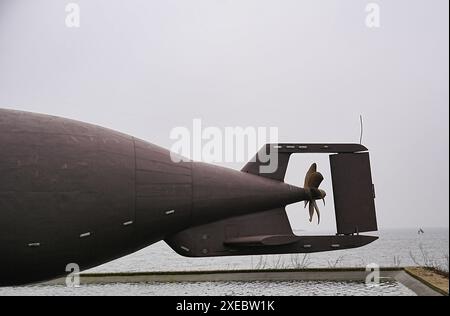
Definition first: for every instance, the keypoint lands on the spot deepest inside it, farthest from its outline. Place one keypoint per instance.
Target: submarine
(73, 192)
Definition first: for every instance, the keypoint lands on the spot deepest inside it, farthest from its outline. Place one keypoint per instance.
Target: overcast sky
(307, 67)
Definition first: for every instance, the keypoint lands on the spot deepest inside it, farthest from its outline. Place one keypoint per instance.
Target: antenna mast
(361, 129)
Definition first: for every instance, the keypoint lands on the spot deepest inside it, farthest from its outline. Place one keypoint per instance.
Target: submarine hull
(72, 192)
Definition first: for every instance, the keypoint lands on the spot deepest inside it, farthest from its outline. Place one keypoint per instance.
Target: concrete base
(337, 274)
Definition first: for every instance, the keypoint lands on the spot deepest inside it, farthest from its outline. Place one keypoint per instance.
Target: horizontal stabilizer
(256, 241)
(256, 234)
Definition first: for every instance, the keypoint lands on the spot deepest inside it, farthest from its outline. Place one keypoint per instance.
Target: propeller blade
(317, 211)
(315, 179)
(311, 211)
(311, 170)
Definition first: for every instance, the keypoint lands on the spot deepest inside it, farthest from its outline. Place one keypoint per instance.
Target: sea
(394, 248)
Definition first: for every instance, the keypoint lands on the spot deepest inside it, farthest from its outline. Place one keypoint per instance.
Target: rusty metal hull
(72, 192)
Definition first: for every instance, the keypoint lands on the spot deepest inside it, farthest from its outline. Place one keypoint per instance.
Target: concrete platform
(412, 282)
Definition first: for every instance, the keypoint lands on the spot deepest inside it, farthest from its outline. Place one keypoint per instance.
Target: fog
(308, 67)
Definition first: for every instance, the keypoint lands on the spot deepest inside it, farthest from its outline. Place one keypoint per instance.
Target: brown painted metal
(267, 232)
(353, 193)
(284, 152)
(72, 192)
